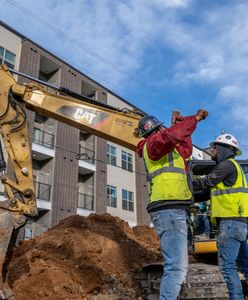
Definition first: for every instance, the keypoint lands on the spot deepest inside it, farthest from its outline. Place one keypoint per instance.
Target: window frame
(110, 198)
(111, 157)
(127, 163)
(128, 202)
(4, 60)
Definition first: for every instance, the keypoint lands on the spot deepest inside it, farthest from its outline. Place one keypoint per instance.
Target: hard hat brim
(238, 153)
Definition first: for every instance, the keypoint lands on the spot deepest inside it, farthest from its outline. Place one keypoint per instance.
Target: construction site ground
(95, 257)
(99, 257)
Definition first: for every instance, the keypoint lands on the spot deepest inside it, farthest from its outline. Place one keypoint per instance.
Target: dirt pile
(83, 258)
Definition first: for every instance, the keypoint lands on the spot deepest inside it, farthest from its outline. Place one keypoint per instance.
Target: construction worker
(164, 151)
(229, 208)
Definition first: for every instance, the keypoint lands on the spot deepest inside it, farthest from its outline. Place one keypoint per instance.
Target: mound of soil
(94, 257)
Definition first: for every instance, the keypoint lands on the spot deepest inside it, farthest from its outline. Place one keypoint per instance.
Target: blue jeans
(203, 224)
(171, 227)
(233, 250)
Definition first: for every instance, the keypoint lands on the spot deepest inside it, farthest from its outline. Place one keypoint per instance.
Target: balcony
(86, 154)
(43, 138)
(86, 161)
(42, 191)
(42, 194)
(43, 145)
(85, 201)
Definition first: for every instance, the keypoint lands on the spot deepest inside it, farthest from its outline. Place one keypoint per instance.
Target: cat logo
(84, 114)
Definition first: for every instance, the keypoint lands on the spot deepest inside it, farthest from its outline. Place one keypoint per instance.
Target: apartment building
(74, 172)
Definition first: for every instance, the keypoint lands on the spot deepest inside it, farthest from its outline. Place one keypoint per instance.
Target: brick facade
(142, 193)
(101, 176)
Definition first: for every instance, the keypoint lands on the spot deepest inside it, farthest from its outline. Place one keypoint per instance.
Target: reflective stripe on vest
(167, 179)
(230, 201)
(165, 169)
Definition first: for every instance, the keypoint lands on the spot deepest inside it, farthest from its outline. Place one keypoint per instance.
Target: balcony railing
(86, 155)
(42, 191)
(43, 138)
(85, 201)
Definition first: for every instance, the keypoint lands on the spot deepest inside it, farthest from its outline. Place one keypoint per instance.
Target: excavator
(118, 126)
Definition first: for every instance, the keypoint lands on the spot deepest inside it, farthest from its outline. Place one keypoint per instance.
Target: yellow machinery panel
(205, 246)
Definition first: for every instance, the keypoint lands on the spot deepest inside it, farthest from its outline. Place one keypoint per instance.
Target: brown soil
(94, 257)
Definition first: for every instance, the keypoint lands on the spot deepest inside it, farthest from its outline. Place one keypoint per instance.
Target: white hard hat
(228, 139)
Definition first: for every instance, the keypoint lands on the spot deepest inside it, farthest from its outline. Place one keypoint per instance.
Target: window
(1, 54)
(111, 196)
(126, 161)
(111, 155)
(7, 57)
(127, 200)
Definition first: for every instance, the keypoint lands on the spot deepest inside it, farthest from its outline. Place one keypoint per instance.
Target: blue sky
(160, 55)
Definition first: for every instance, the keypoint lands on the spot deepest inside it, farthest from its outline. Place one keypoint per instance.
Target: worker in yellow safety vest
(229, 208)
(164, 151)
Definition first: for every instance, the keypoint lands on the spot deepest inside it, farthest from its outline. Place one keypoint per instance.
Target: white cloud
(172, 3)
(231, 93)
(118, 31)
(214, 47)
(236, 98)
(203, 72)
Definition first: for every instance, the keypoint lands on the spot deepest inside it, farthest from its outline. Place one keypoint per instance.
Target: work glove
(201, 114)
(176, 117)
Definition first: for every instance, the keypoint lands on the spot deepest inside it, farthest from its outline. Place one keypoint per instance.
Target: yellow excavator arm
(86, 114)
(118, 126)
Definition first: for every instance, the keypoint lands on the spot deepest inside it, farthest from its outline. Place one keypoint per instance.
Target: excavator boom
(96, 118)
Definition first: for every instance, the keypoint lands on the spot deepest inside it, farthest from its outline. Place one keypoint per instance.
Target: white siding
(11, 42)
(122, 179)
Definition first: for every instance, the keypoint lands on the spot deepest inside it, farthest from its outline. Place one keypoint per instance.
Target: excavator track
(203, 281)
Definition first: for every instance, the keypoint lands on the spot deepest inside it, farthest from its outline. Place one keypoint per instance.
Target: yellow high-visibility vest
(166, 177)
(230, 201)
